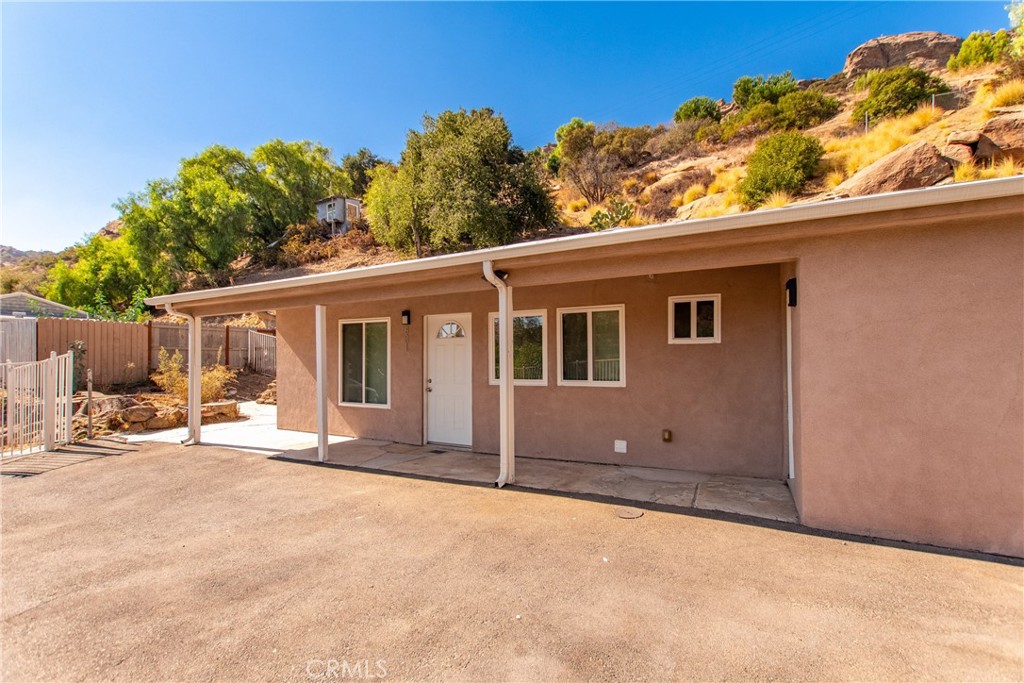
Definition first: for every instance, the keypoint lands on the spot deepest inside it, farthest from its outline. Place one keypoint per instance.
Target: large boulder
(1006, 131)
(910, 167)
(138, 413)
(926, 50)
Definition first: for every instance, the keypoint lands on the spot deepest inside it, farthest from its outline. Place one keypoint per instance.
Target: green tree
(780, 163)
(460, 182)
(583, 160)
(894, 92)
(981, 47)
(106, 271)
(750, 91)
(1016, 13)
(358, 167)
(698, 108)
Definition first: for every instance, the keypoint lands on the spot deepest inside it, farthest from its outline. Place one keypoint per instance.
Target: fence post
(49, 401)
(227, 345)
(12, 393)
(69, 392)
(88, 404)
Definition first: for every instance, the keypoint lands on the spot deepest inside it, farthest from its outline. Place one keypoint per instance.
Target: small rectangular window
(529, 344)
(365, 362)
(590, 344)
(695, 319)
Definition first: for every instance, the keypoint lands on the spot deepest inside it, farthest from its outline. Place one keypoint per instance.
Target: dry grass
(777, 200)
(650, 178)
(833, 179)
(1008, 94)
(730, 203)
(856, 152)
(725, 180)
(677, 201)
(972, 171)
(630, 185)
(172, 377)
(694, 192)
(578, 205)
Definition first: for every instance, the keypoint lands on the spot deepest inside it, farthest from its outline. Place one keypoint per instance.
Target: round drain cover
(628, 513)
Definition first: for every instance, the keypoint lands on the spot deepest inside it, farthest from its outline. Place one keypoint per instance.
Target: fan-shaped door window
(451, 330)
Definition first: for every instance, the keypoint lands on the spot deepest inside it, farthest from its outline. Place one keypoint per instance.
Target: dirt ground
(166, 563)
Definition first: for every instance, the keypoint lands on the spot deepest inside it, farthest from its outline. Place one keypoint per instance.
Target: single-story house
(25, 305)
(869, 351)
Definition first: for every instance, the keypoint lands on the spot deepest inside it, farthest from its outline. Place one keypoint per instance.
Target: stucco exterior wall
(911, 344)
(723, 402)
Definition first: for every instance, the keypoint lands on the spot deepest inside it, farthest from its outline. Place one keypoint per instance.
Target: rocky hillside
(970, 133)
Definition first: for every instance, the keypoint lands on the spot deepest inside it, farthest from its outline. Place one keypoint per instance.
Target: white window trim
(694, 339)
(341, 363)
(621, 308)
(543, 382)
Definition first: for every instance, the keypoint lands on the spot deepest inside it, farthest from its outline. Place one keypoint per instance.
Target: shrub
(756, 119)
(805, 108)
(631, 185)
(777, 200)
(834, 179)
(895, 92)
(679, 139)
(172, 377)
(725, 180)
(618, 213)
(698, 108)
(625, 143)
(981, 47)
(749, 91)
(782, 162)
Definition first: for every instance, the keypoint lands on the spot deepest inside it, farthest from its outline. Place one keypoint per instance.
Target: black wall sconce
(791, 292)
(407, 317)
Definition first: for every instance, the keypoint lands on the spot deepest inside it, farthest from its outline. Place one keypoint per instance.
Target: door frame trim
(423, 380)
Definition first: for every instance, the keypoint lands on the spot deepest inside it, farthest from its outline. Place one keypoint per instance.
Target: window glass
(606, 346)
(574, 346)
(451, 330)
(527, 348)
(681, 320)
(705, 319)
(376, 363)
(352, 362)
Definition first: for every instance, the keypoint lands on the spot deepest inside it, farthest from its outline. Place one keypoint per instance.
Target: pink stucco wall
(723, 402)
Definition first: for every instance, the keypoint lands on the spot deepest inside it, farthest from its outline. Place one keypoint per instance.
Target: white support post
(195, 378)
(69, 392)
(789, 390)
(321, 383)
(50, 402)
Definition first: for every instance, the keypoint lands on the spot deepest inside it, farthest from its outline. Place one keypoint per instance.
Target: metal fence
(36, 404)
(263, 353)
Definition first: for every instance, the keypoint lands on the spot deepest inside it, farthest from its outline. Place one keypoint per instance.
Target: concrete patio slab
(258, 433)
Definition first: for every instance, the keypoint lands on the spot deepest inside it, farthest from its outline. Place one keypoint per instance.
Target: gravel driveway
(169, 563)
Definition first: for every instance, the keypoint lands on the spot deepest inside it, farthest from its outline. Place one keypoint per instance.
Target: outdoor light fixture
(501, 274)
(791, 292)
(407, 317)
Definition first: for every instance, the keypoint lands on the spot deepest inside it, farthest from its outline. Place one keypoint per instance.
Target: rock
(269, 395)
(958, 154)
(912, 166)
(1007, 132)
(926, 50)
(139, 413)
(222, 411)
(987, 151)
(134, 428)
(963, 137)
(166, 419)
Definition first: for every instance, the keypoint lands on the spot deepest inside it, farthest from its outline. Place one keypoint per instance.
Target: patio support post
(506, 385)
(195, 378)
(321, 383)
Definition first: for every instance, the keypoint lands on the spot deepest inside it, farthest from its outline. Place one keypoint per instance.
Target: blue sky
(100, 98)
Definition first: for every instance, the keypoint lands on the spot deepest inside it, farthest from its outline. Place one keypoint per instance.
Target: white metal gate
(35, 404)
(263, 353)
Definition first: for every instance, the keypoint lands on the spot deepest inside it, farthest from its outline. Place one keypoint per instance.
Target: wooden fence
(17, 339)
(126, 353)
(116, 352)
(263, 353)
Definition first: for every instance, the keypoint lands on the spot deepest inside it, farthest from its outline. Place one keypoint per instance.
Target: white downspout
(321, 383)
(195, 377)
(789, 389)
(506, 386)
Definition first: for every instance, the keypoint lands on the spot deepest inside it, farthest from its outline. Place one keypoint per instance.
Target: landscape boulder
(910, 167)
(221, 411)
(1006, 131)
(167, 419)
(137, 413)
(928, 50)
(958, 154)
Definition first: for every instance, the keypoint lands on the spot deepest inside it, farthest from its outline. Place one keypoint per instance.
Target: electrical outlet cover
(620, 446)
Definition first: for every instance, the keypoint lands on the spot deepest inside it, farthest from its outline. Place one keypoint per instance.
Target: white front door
(450, 379)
